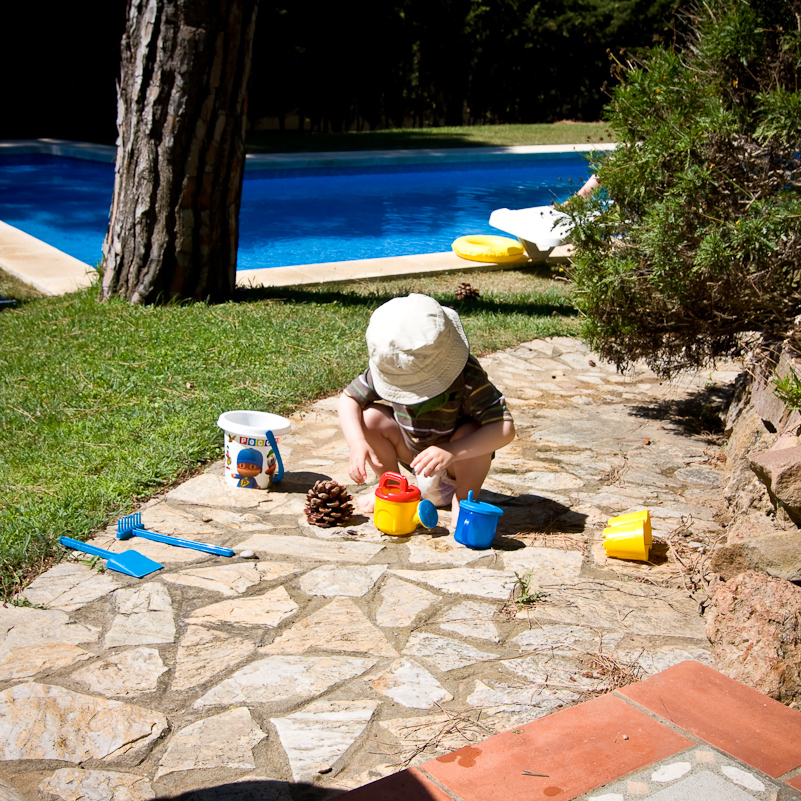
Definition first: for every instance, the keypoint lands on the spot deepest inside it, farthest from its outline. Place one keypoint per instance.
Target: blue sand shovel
(131, 563)
(131, 526)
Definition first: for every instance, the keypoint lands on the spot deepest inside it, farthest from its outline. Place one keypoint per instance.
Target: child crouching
(441, 417)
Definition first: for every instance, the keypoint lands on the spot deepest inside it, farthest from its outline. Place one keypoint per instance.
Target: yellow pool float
(489, 248)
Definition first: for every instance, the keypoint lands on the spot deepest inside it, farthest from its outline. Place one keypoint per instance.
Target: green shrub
(787, 389)
(695, 237)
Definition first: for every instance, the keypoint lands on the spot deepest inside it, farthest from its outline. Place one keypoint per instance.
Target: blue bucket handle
(279, 473)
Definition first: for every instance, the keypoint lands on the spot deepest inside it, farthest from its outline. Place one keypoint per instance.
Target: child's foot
(366, 503)
(454, 515)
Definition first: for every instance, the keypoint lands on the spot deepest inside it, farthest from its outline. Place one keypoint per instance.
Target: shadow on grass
(348, 298)
(14, 294)
(699, 414)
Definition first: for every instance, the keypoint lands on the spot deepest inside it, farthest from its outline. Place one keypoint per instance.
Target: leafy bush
(695, 237)
(787, 389)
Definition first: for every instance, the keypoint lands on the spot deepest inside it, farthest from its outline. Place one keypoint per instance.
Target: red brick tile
(735, 718)
(579, 748)
(408, 785)
(796, 782)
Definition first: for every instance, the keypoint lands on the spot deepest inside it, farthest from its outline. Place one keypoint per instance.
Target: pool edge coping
(41, 266)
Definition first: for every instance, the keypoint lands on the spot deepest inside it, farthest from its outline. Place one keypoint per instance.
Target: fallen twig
(469, 729)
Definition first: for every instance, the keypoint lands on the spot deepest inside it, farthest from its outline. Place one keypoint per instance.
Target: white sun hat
(417, 349)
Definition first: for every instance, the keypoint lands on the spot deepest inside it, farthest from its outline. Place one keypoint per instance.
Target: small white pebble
(744, 779)
(669, 773)
(247, 554)
(625, 737)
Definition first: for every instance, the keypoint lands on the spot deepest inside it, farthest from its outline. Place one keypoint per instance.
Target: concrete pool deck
(45, 268)
(53, 272)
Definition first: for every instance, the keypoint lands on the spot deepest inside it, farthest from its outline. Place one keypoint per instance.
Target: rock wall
(754, 625)
(763, 459)
(754, 616)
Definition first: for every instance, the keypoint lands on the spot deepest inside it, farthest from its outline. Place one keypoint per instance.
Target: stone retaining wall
(763, 492)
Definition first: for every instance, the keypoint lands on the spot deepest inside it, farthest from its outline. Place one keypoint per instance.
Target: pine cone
(328, 504)
(465, 292)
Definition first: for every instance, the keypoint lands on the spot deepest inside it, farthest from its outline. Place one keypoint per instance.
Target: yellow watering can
(398, 508)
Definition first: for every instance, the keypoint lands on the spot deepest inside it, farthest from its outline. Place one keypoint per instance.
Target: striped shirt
(470, 397)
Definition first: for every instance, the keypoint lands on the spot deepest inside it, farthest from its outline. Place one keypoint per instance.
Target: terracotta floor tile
(578, 748)
(738, 720)
(407, 785)
(796, 782)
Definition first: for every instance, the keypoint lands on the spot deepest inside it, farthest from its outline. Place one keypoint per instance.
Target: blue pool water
(302, 216)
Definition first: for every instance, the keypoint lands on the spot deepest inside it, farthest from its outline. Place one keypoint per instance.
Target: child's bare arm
(483, 440)
(350, 421)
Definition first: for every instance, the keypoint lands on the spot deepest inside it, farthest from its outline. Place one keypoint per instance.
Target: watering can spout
(426, 514)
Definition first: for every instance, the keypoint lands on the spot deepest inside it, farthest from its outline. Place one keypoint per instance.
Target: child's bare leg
(384, 436)
(469, 474)
(454, 514)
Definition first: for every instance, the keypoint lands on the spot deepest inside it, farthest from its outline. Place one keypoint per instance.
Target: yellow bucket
(642, 516)
(629, 536)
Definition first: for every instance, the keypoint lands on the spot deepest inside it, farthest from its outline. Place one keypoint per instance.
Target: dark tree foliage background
(700, 247)
(427, 63)
(353, 65)
(59, 73)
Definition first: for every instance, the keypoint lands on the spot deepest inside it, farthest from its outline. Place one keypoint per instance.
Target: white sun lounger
(540, 229)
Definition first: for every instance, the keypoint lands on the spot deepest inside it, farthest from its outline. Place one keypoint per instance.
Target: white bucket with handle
(252, 459)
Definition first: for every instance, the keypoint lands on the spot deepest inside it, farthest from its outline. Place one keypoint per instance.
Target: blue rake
(131, 526)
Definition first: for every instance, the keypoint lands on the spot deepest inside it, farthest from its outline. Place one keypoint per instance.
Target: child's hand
(432, 460)
(360, 456)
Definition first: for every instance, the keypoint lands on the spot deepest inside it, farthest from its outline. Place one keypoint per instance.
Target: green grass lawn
(565, 133)
(105, 404)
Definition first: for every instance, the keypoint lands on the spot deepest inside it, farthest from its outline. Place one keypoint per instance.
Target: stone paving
(332, 657)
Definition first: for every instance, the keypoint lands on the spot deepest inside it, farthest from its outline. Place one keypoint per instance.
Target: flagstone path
(333, 657)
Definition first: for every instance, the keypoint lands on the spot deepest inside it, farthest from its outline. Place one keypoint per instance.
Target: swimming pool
(303, 215)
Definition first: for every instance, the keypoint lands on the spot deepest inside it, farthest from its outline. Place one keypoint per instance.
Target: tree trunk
(174, 223)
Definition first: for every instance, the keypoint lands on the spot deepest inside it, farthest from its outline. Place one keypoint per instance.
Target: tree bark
(181, 111)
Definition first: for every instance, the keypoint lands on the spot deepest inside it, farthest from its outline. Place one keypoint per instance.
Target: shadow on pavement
(298, 481)
(533, 514)
(256, 790)
(700, 413)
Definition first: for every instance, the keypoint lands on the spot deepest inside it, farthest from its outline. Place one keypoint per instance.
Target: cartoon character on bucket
(249, 464)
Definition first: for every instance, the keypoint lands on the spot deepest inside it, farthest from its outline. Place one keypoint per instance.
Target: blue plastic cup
(477, 523)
